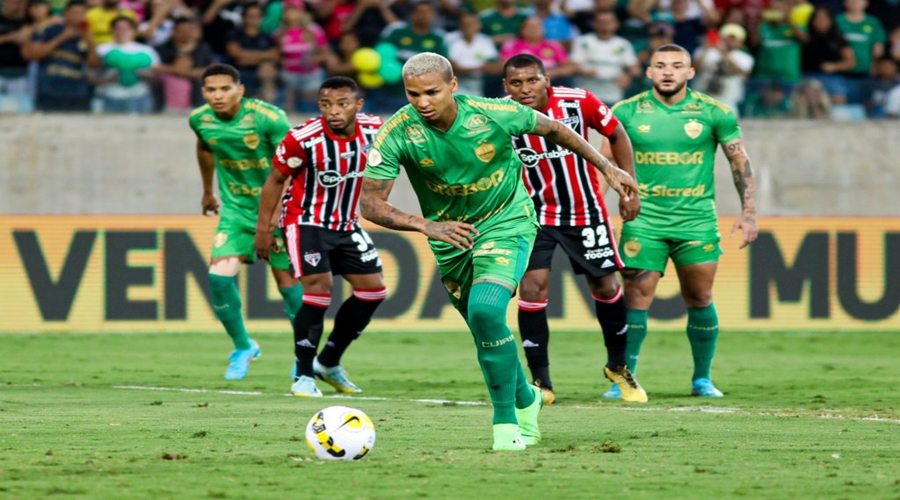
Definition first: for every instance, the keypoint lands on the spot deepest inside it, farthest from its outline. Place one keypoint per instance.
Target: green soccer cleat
(628, 385)
(528, 419)
(335, 376)
(507, 438)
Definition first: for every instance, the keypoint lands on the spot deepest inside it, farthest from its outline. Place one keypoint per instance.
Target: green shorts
(234, 237)
(640, 251)
(499, 255)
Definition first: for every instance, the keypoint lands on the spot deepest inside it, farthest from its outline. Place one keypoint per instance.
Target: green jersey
(243, 147)
(410, 43)
(779, 53)
(862, 37)
(470, 173)
(674, 156)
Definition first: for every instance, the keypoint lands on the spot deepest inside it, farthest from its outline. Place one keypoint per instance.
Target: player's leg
(288, 286)
(696, 266)
(532, 315)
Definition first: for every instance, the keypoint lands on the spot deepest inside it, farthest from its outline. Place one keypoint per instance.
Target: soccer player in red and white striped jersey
(566, 191)
(325, 159)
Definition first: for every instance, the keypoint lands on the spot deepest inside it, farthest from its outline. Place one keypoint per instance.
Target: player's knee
(225, 267)
(605, 288)
(533, 290)
(317, 283)
(697, 298)
(486, 318)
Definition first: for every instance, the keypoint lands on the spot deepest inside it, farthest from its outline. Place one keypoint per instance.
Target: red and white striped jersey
(566, 188)
(326, 173)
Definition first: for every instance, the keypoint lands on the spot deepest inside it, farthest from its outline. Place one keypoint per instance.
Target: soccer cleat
(613, 393)
(704, 387)
(240, 361)
(335, 376)
(629, 387)
(528, 418)
(305, 386)
(507, 438)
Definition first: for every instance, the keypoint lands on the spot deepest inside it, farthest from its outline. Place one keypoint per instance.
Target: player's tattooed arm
(207, 161)
(562, 135)
(745, 183)
(373, 205)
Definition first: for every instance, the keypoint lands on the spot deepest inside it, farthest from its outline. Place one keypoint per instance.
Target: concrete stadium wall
(84, 164)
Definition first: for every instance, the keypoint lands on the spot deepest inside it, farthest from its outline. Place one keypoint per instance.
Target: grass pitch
(149, 416)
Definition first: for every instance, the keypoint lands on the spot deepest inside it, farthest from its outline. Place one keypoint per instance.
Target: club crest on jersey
(632, 248)
(571, 121)
(485, 152)
(251, 140)
(693, 129)
(312, 258)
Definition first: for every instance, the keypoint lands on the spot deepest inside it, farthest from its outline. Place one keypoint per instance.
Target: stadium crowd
(830, 59)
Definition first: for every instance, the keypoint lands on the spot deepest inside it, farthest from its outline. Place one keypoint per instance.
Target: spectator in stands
(826, 54)
(100, 18)
(13, 67)
(368, 19)
(219, 19)
(778, 43)
(183, 59)
(581, 12)
(502, 23)
(531, 41)
(691, 19)
(129, 64)
(255, 55)
(885, 81)
(556, 25)
(893, 48)
(472, 54)
(866, 37)
(159, 24)
(606, 62)
(809, 101)
(40, 17)
(339, 62)
(304, 50)
(418, 35)
(661, 33)
(723, 68)
(62, 51)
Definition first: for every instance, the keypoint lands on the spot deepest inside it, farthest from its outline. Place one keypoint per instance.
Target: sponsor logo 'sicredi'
(132, 274)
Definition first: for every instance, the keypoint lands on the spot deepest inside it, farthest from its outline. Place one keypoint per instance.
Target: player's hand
(747, 224)
(458, 234)
(622, 182)
(210, 204)
(263, 243)
(630, 209)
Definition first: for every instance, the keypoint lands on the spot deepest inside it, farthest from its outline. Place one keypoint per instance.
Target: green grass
(806, 416)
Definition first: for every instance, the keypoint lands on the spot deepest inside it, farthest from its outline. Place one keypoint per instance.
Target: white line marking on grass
(180, 389)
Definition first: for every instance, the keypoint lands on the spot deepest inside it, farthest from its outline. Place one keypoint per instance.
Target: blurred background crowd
(829, 59)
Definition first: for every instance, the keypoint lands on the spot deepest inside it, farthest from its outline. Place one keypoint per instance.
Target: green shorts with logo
(499, 255)
(642, 250)
(234, 237)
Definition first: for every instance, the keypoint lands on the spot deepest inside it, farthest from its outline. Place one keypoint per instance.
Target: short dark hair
(340, 82)
(221, 69)
(671, 47)
(520, 61)
(183, 20)
(75, 3)
(116, 20)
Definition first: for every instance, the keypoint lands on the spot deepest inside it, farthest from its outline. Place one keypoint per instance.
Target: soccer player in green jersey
(477, 215)
(236, 140)
(675, 132)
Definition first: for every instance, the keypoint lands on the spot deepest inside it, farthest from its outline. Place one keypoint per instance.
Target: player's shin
(703, 333)
(351, 319)
(496, 347)
(228, 308)
(308, 326)
(637, 332)
(292, 298)
(612, 317)
(535, 339)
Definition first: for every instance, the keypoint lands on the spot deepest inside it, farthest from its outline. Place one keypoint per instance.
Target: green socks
(496, 347)
(293, 299)
(703, 332)
(637, 332)
(227, 306)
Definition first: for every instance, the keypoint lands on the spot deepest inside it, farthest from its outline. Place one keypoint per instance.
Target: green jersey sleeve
(384, 159)
(512, 116)
(727, 128)
(277, 129)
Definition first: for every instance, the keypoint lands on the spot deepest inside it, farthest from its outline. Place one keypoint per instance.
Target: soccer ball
(340, 433)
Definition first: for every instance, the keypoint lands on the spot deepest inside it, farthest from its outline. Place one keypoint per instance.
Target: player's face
(222, 94)
(431, 95)
(669, 72)
(528, 86)
(339, 108)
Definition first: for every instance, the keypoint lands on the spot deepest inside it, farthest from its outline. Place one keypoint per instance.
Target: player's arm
(207, 161)
(264, 241)
(373, 205)
(618, 179)
(746, 188)
(622, 153)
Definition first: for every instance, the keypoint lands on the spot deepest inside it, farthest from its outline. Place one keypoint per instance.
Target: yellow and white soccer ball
(340, 433)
